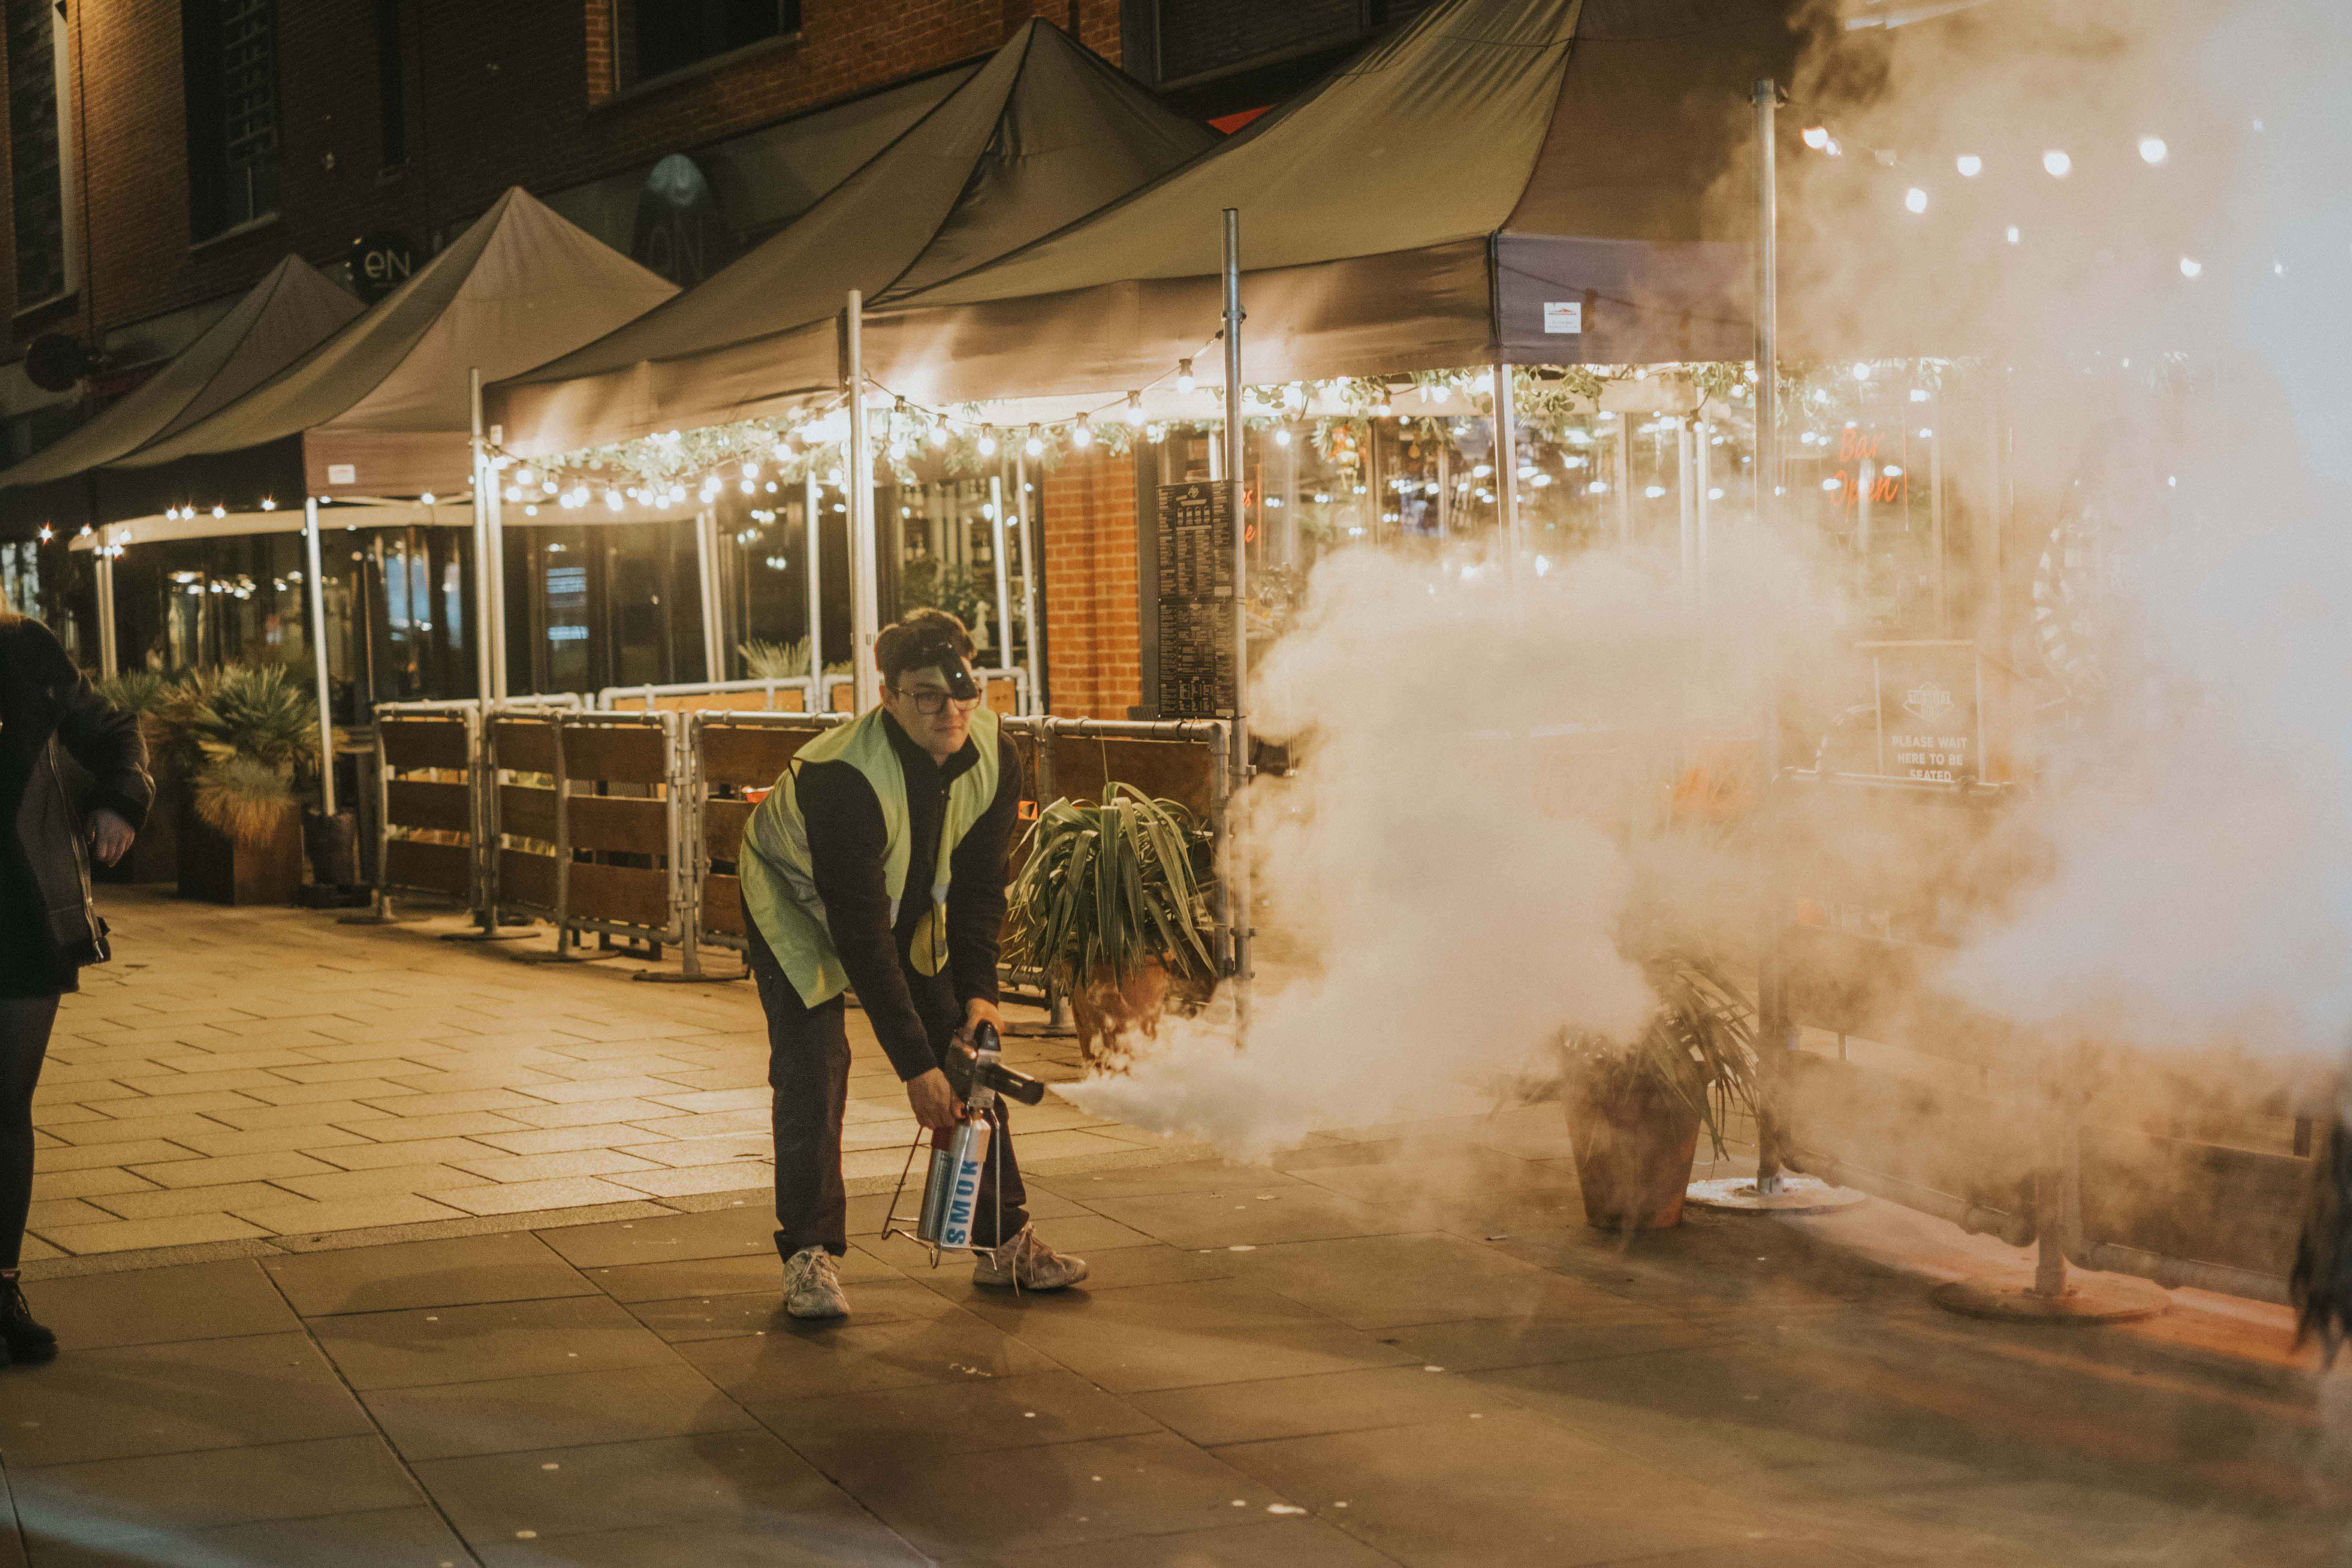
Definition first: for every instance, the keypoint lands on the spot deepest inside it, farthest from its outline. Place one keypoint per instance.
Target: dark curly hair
(918, 640)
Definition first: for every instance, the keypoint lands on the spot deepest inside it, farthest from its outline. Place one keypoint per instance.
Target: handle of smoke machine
(982, 1068)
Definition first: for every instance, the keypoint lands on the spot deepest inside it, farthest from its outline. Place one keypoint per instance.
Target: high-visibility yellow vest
(779, 890)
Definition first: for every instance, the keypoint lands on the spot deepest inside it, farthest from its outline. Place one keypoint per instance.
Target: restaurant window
(1171, 42)
(654, 38)
(229, 56)
(609, 605)
(37, 149)
(20, 578)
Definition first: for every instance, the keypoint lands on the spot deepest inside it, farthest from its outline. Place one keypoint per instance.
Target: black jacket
(46, 707)
(847, 841)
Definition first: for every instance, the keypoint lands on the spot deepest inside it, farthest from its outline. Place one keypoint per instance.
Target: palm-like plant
(1698, 1048)
(247, 735)
(1108, 890)
(784, 660)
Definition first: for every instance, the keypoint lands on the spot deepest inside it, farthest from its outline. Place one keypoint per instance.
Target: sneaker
(813, 1285)
(1025, 1262)
(26, 1339)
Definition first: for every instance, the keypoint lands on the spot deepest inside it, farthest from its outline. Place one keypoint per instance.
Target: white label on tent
(348, 473)
(1563, 317)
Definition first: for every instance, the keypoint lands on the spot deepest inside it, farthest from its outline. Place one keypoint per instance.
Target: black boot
(24, 1337)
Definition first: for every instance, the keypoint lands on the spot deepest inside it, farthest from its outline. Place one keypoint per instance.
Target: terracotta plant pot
(218, 870)
(1106, 1007)
(1634, 1143)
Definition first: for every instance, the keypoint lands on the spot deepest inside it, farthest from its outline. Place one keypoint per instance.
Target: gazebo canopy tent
(1042, 134)
(1436, 203)
(287, 314)
(385, 407)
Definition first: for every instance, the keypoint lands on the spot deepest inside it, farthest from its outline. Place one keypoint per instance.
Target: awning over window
(382, 409)
(1041, 135)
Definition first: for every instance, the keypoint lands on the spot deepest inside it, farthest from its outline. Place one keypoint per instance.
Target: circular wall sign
(381, 262)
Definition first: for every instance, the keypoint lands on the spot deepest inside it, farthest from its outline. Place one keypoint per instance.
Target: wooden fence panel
(410, 743)
(618, 825)
(620, 895)
(616, 753)
(523, 745)
(734, 755)
(526, 811)
(424, 802)
(722, 905)
(526, 878)
(441, 868)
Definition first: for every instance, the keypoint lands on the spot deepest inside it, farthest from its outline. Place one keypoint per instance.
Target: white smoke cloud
(1442, 884)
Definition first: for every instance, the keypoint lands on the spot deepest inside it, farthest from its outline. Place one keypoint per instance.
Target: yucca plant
(1698, 1049)
(248, 736)
(1109, 906)
(784, 660)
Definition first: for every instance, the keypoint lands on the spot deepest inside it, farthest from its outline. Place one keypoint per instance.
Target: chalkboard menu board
(1196, 602)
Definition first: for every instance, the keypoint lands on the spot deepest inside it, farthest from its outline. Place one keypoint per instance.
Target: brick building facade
(196, 142)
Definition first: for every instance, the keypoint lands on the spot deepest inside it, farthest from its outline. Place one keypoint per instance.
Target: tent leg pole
(1237, 902)
(1028, 580)
(317, 609)
(815, 589)
(1506, 470)
(706, 560)
(101, 572)
(1771, 1012)
(1003, 568)
(863, 604)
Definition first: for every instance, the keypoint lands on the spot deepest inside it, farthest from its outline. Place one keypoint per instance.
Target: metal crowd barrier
(797, 694)
(1936, 1107)
(540, 830)
(728, 754)
(1007, 693)
(427, 824)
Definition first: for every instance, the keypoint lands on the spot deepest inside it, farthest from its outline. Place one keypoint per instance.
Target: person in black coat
(48, 926)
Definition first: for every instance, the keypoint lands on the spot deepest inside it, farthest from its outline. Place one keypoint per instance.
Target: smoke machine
(950, 1203)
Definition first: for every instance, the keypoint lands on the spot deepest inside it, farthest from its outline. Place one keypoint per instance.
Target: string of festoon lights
(750, 460)
(1921, 195)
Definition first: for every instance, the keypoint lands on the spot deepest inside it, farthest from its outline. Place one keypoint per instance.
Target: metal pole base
(380, 918)
(664, 977)
(2086, 1301)
(1798, 1194)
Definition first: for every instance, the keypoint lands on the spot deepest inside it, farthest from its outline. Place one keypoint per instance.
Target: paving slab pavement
(1394, 1346)
(252, 1081)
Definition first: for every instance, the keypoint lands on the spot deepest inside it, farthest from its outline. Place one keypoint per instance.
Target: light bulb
(219, 510)
(522, 475)
(269, 503)
(1083, 435)
(1970, 165)
(939, 436)
(1183, 376)
(1034, 446)
(2059, 164)
(426, 498)
(613, 501)
(2152, 150)
(1862, 370)
(1916, 199)
(748, 486)
(1135, 410)
(987, 441)
(1816, 137)
(2190, 266)
(751, 471)
(2013, 235)
(1282, 437)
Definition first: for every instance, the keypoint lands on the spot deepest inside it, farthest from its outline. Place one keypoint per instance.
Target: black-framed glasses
(931, 701)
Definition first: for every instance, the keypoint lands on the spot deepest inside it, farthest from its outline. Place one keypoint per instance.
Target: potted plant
(246, 737)
(1109, 907)
(783, 660)
(1634, 1110)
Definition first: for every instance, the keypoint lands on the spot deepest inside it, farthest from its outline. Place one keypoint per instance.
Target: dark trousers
(25, 1023)
(808, 1068)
